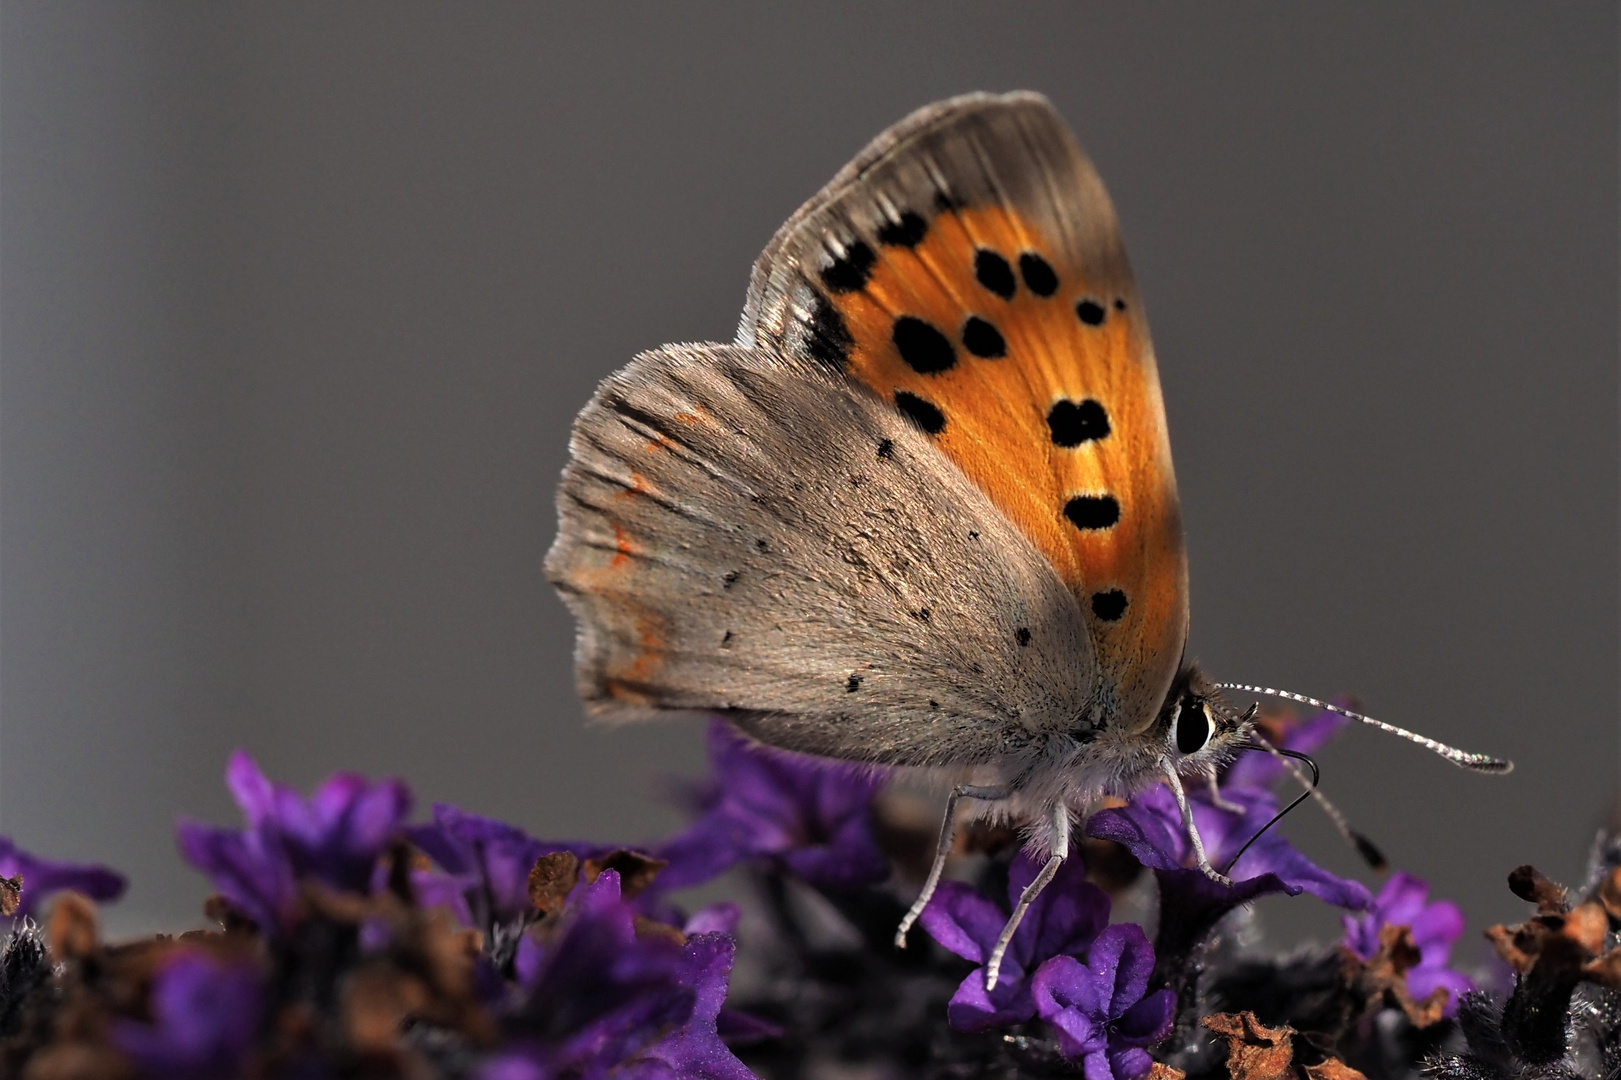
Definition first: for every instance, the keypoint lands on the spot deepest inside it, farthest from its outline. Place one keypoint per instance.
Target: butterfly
(921, 512)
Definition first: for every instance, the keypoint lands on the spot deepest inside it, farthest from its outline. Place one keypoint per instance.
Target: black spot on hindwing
(1073, 423)
(1039, 275)
(850, 271)
(1109, 605)
(925, 349)
(909, 231)
(993, 272)
(886, 449)
(925, 414)
(1022, 635)
(1092, 511)
(982, 339)
(852, 684)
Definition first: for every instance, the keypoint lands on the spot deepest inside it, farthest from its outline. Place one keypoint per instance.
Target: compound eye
(1193, 727)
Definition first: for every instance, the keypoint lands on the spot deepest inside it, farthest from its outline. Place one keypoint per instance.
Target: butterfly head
(1197, 729)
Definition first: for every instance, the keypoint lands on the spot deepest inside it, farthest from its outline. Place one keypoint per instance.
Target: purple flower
(1151, 828)
(1434, 928)
(206, 1010)
(249, 867)
(42, 877)
(488, 864)
(1098, 1009)
(1063, 921)
(596, 995)
(335, 836)
(813, 816)
(1190, 903)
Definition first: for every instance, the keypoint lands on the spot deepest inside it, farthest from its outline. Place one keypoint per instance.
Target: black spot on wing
(828, 339)
(1039, 275)
(1022, 635)
(993, 272)
(1073, 423)
(852, 684)
(1119, 304)
(925, 349)
(909, 231)
(925, 414)
(886, 449)
(1092, 511)
(1090, 312)
(982, 339)
(850, 271)
(1109, 605)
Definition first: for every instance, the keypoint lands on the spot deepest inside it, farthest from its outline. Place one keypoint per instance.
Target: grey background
(298, 302)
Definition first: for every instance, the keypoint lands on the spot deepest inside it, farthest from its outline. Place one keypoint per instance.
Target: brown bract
(552, 879)
(1254, 1051)
(1383, 979)
(70, 932)
(11, 895)
(1532, 886)
(636, 871)
(1162, 1071)
(1333, 1069)
(1561, 942)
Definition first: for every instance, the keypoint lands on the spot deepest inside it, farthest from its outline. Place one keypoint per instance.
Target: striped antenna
(1483, 763)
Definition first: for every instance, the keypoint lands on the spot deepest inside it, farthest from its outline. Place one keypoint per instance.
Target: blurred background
(297, 302)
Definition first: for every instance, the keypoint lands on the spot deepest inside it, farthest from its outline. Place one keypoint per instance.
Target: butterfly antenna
(1483, 763)
(1364, 847)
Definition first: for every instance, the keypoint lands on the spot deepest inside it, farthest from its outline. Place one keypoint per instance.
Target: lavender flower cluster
(351, 942)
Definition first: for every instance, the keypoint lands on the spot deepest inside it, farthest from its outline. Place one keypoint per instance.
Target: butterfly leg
(948, 833)
(1060, 852)
(1215, 795)
(1210, 872)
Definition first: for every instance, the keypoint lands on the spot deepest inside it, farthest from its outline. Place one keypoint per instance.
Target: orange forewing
(996, 425)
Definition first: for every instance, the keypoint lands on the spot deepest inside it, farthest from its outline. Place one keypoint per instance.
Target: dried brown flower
(552, 879)
(1254, 1052)
(1383, 979)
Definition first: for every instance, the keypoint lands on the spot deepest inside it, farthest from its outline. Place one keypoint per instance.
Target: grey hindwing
(744, 534)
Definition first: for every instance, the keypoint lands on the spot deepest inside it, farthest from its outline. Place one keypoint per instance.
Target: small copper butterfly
(921, 512)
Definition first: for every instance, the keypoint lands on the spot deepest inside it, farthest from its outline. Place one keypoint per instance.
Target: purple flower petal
(1097, 1008)
(1149, 1020)
(42, 877)
(718, 918)
(206, 1012)
(806, 813)
(963, 921)
(1066, 995)
(1131, 1063)
(972, 1009)
(249, 868)
(696, 1050)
